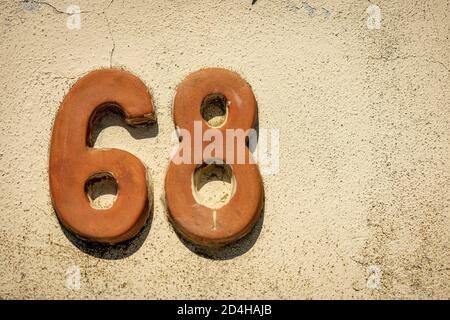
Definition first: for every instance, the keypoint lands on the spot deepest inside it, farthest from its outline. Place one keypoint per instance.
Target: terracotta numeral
(73, 161)
(198, 223)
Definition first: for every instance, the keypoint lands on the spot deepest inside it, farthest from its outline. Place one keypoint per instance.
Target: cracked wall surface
(364, 120)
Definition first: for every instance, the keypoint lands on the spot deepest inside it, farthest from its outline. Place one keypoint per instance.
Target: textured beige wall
(364, 120)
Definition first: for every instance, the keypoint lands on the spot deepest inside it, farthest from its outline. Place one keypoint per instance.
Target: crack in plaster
(112, 39)
(55, 9)
(111, 54)
(425, 58)
(103, 12)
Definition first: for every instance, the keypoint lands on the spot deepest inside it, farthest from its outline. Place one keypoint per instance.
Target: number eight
(73, 161)
(195, 222)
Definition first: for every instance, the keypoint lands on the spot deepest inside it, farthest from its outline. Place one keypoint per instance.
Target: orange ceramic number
(198, 223)
(73, 161)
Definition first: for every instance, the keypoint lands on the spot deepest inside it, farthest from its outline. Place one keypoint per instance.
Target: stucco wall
(364, 122)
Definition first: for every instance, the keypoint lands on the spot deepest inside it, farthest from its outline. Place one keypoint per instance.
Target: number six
(73, 161)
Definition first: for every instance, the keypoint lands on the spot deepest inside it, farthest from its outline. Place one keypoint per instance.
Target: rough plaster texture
(364, 121)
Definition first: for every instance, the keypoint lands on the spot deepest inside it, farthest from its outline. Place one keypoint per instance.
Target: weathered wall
(364, 120)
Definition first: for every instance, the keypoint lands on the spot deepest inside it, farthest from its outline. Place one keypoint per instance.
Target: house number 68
(74, 161)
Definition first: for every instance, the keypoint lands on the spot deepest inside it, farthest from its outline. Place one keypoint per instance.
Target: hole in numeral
(101, 189)
(213, 185)
(214, 110)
